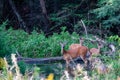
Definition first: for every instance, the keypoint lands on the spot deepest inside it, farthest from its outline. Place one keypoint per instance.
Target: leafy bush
(108, 13)
(11, 40)
(38, 45)
(115, 39)
(22, 66)
(33, 45)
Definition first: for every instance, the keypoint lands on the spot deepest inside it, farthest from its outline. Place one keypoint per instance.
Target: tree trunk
(46, 21)
(21, 22)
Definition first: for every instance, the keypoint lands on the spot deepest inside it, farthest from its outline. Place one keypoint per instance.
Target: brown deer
(96, 51)
(71, 54)
(75, 46)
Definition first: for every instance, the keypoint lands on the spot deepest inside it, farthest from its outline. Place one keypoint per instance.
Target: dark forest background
(100, 16)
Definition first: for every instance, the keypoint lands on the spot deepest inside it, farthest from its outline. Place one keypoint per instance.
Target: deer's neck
(62, 50)
(81, 42)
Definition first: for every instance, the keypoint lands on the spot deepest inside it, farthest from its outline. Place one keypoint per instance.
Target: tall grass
(12, 72)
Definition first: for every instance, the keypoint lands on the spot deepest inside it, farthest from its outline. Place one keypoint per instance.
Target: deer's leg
(67, 63)
(85, 60)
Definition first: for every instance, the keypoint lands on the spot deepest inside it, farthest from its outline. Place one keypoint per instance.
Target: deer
(111, 46)
(69, 55)
(96, 51)
(75, 46)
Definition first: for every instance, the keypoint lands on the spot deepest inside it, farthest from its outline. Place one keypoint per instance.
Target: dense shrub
(108, 14)
(33, 45)
(11, 40)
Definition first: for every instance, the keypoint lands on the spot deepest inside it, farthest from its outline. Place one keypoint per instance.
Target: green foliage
(23, 67)
(34, 45)
(108, 12)
(36, 73)
(3, 49)
(115, 39)
(11, 40)
(2, 63)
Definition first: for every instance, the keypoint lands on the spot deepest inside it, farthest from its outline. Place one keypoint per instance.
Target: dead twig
(84, 28)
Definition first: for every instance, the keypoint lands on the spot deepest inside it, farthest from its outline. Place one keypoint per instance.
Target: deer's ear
(81, 38)
(60, 43)
(63, 43)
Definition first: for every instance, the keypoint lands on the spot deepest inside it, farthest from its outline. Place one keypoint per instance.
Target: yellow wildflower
(50, 76)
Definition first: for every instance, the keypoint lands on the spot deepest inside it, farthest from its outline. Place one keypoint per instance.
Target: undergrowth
(38, 45)
(34, 44)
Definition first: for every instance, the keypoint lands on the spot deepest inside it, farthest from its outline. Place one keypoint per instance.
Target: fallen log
(44, 60)
(40, 60)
